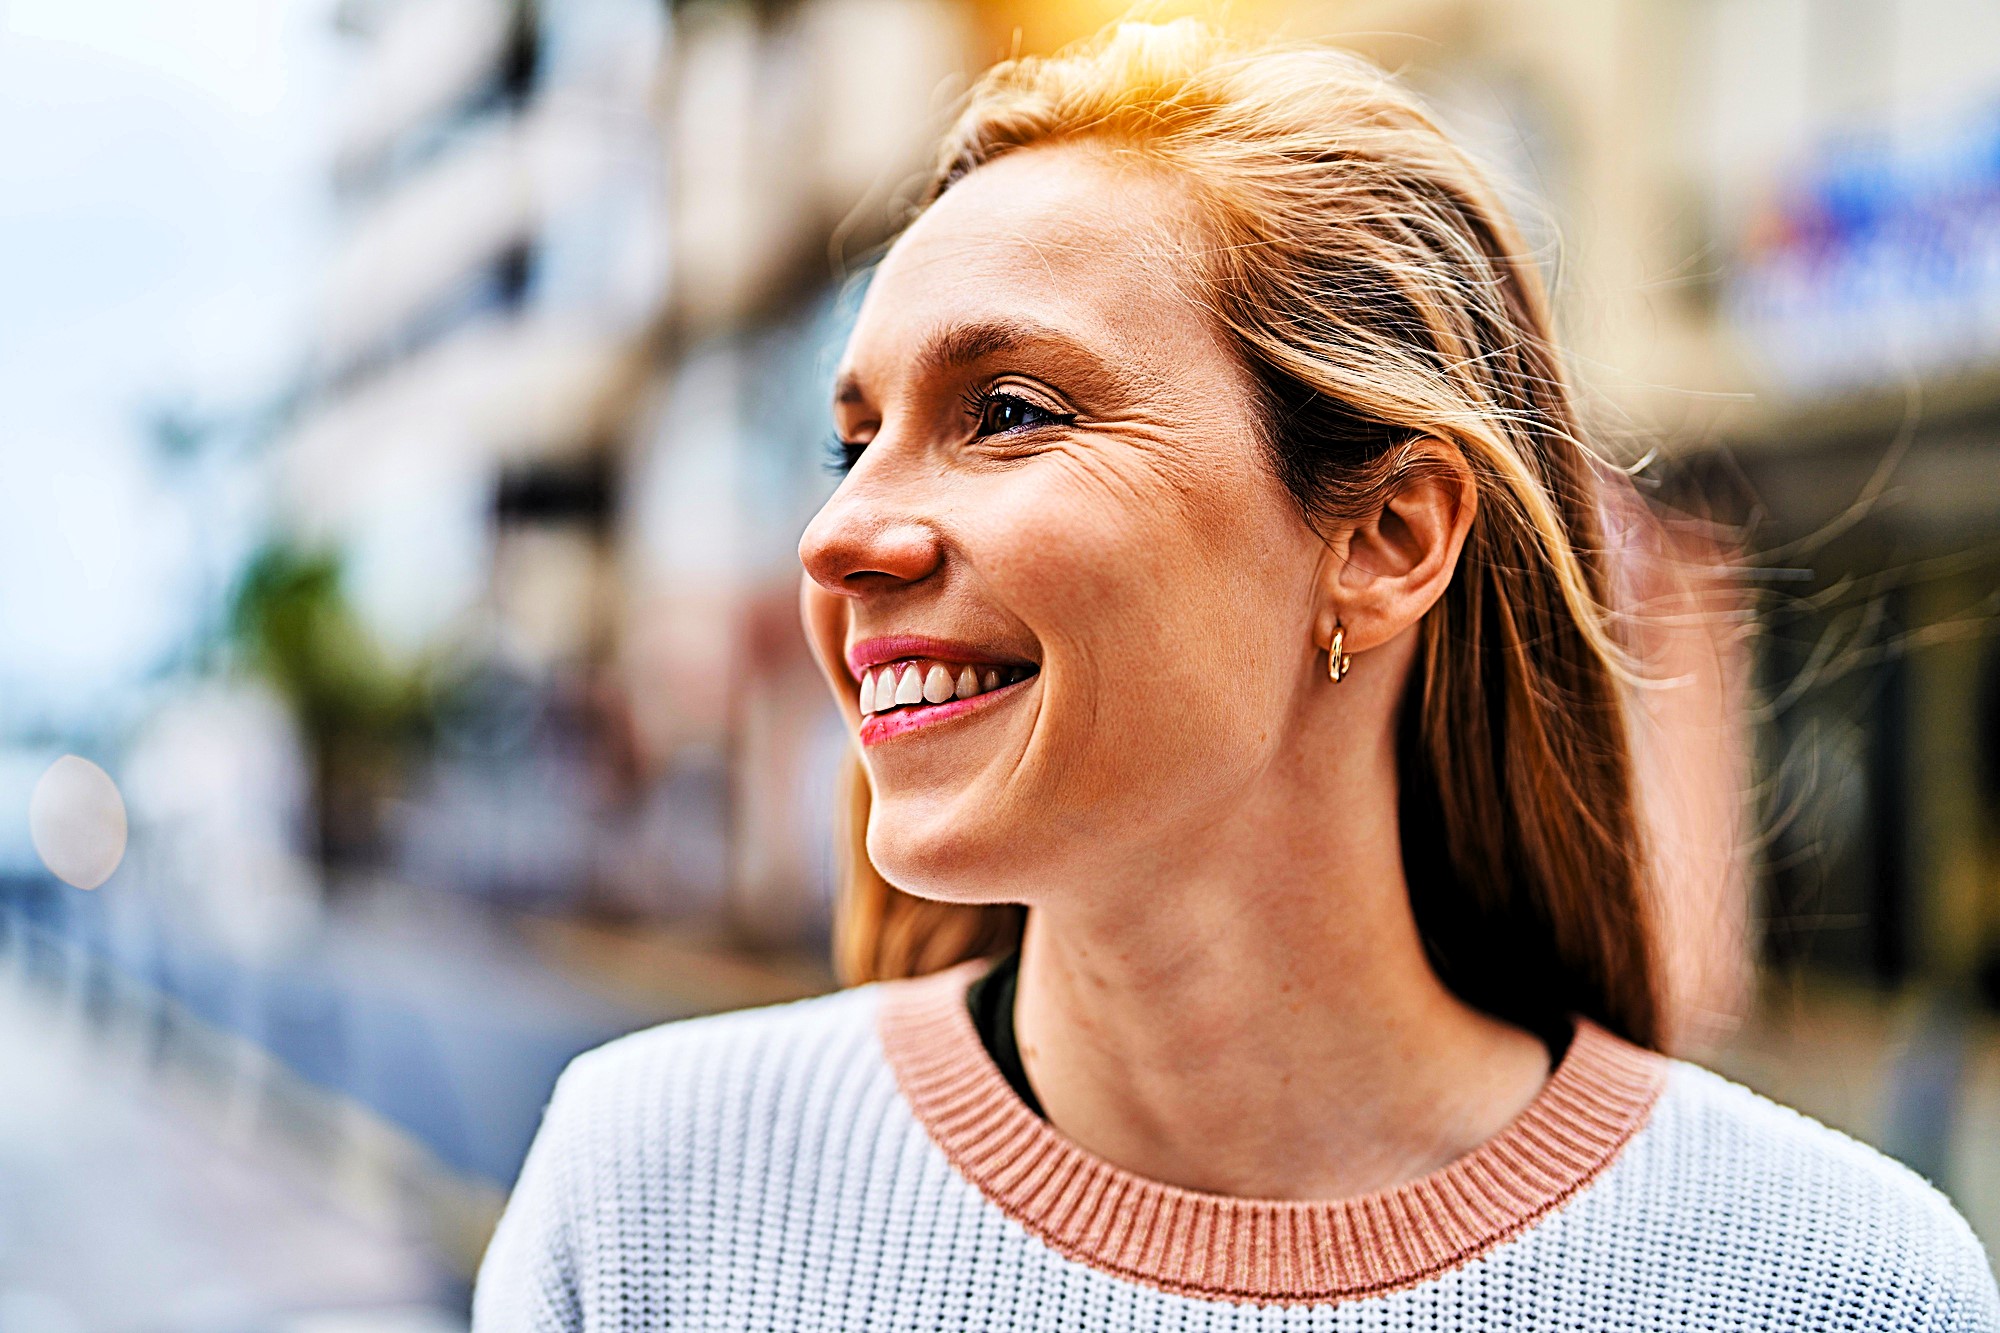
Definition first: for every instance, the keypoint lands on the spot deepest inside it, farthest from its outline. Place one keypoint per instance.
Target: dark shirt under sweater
(991, 999)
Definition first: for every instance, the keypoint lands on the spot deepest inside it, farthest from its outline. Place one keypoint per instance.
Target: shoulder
(649, 1142)
(1763, 1195)
(648, 1131)
(1781, 1157)
(719, 1061)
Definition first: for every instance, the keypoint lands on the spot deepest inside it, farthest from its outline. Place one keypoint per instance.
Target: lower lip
(879, 727)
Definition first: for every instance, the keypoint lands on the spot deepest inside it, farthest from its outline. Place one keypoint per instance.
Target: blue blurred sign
(1877, 263)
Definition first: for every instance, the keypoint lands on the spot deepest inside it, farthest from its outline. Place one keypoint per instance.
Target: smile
(900, 696)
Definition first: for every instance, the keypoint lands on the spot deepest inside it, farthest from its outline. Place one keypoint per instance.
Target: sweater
(856, 1161)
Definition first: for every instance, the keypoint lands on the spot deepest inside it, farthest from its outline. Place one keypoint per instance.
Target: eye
(842, 454)
(1003, 412)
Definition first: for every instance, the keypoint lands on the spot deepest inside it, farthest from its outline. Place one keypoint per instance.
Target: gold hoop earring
(1337, 661)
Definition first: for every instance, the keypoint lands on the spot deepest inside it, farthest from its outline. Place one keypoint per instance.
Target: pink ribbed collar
(1267, 1251)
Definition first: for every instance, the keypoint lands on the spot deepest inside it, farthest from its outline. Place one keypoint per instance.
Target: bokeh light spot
(77, 821)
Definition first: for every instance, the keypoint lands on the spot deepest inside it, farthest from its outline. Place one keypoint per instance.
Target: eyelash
(843, 454)
(979, 400)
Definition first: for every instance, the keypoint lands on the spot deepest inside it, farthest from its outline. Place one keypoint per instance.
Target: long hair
(1372, 284)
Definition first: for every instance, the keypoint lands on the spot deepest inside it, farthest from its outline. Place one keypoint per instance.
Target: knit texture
(850, 1162)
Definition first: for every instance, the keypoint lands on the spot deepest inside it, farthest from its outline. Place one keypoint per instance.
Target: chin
(928, 852)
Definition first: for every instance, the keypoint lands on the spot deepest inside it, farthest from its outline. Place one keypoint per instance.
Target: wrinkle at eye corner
(1180, 477)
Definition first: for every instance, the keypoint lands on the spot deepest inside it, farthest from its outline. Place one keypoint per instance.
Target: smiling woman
(1249, 889)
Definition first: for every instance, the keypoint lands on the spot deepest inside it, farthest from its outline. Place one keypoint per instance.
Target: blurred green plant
(360, 716)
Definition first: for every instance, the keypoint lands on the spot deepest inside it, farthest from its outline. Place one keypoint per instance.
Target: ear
(1382, 573)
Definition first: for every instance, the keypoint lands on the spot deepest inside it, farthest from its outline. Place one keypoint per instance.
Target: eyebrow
(957, 346)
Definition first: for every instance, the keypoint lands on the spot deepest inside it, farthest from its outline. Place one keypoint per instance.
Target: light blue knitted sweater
(854, 1162)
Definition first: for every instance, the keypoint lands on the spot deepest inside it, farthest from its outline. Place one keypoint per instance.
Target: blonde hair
(1374, 287)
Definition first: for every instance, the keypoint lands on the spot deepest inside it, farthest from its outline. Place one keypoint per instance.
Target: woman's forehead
(1055, 241)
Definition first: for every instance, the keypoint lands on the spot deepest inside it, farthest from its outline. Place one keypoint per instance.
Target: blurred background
(408, 411)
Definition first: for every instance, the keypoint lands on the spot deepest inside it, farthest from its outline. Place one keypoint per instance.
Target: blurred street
(143, 1196)
(337, 1167)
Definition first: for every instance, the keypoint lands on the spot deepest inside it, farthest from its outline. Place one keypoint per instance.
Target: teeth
(928, 682)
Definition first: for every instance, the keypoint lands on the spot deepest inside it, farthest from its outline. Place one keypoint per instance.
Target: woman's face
(1081, 602)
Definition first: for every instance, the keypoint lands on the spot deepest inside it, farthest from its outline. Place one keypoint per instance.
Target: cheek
(1169, 626)
(825, 619)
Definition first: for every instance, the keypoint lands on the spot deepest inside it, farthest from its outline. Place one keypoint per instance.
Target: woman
(1217, 593)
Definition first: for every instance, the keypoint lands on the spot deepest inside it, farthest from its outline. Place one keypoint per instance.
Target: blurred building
(565, 417)
(568, 395)
(597, 253)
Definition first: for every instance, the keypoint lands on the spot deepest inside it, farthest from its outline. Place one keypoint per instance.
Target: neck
(1262, 1021)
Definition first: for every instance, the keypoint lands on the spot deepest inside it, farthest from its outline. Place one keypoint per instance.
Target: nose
(854, 546)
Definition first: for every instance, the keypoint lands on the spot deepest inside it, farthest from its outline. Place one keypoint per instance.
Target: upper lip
(895, 647)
